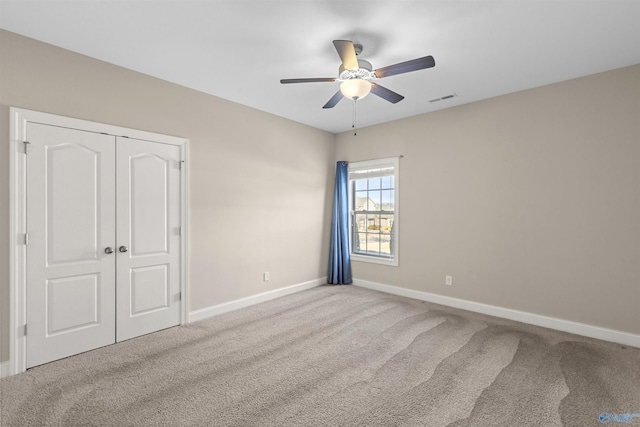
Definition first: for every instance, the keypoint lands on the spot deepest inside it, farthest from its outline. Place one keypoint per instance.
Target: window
(373, 202)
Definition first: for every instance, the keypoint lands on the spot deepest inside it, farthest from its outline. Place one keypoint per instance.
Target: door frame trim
(19, 118)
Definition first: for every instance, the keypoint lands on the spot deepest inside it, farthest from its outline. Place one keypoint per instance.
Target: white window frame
(374, 164)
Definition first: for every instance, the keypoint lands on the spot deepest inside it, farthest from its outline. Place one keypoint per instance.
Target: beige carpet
(335, 356)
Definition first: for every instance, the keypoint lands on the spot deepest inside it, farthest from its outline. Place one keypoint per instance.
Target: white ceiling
(239, 50)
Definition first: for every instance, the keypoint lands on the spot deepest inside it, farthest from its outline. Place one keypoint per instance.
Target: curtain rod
(380, 158)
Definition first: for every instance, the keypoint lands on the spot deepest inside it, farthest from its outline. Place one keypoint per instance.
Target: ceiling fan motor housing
(363, 72)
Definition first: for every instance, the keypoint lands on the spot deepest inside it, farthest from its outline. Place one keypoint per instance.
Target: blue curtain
(339, 257)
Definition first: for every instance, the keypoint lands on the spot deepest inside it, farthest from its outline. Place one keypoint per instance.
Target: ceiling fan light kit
(355, 88)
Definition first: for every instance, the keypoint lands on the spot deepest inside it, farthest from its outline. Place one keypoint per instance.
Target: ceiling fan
(357, 77)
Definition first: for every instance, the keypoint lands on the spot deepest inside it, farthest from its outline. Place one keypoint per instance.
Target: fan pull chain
(353, 125)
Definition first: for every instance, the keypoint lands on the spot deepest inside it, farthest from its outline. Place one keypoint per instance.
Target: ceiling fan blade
(311, 80)
(347, 54)
(334, 100)
(385, 93)
(405, 67)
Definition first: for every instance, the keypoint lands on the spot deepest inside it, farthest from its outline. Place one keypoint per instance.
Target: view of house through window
(372, 197)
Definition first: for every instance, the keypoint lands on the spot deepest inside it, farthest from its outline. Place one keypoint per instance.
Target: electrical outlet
(448, 280)
(265, 276)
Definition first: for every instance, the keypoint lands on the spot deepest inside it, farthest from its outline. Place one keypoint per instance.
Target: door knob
(123, 249)
(108, 250)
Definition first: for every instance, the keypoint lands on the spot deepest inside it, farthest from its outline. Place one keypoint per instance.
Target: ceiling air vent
(444, 98)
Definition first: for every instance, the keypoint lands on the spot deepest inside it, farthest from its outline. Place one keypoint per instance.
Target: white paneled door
(148, 235)
(103, 250)
(71, 223)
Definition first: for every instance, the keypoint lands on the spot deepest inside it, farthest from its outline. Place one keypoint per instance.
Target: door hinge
(26, 239)
(180, 296)
(25, 329)
(180, 164)
(26, 146)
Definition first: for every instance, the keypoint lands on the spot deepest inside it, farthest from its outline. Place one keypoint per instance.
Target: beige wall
(259, 184)
(531, 201)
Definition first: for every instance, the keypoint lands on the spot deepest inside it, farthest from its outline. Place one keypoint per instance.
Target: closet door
(148, 236)
(70, 277)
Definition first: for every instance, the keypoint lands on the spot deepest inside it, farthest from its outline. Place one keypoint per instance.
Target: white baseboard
(215, 310)
(4, 369)
(583, 329)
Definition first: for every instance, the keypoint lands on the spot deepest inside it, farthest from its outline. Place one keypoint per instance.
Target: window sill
(393, 262)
